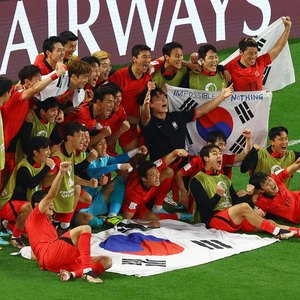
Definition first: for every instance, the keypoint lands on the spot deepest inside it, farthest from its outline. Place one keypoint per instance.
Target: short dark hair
(66, 36)
(28, 72)
(213, 136)
(167, 48)
(48, 44)
(48, 103)
(37, 197)
(91, 60)
(71, 128)
(36, 143)
(204, 152)
(113, 86)
(144, 166)
(142, 95)
(275, 131)
(247, 42)
(135, 51)
(5, 85)
(258, 179)
(202, 51)
(101, 92)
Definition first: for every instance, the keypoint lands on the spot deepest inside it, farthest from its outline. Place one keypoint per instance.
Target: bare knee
(84, 229)
(26, 209)
(245, 208)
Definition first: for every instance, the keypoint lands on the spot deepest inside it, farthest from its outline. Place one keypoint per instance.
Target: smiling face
(41, 155)
(49, 115)
(58, 53)
(77, 140)
(105, 68)
(80, 81)
(214, 160)
(152, 177)
(280, 143)
(249, 56)
(142, 61)
(94, 75)
(101, 147)
(175, 59)
(106, 106)
(269, 186)
(210, 62)
(70, 48)
(159, 103)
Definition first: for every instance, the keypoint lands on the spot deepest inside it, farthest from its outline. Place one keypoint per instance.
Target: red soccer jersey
(196, 165)
(44, 67)
(131, 88)
(40, 233)
(285, 204)
(136, 196)
(84, 116)
(250, 78)
(14, 112)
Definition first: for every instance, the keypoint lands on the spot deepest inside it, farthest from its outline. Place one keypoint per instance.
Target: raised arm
(291, 169)
(55, 186)
(248, 135)
(274, 52)
(145, 112)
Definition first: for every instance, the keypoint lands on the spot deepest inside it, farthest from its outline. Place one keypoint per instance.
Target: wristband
(133, 152)
(119, 166)
(54, 76)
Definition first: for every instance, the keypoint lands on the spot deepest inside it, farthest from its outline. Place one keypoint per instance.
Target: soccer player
(133, 80)
(220, 207)
(65, 202)
(274, 197)
(69, 254)
(95, 73)
(248, 68)
(275, 156)
(18, 106)
(211, 77)
(105, 66)
(142, 187)
(41, 122)
(24, 181)
(196, 164)
(53, 53)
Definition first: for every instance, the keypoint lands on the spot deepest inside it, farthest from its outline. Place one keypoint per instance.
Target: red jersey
(248, 78)
(136, 195)
(43, 65)
(285, 204)
(84, 116)
(14, 112)
(196, 165)
(40, 232)
(116, 120)
(131, 88)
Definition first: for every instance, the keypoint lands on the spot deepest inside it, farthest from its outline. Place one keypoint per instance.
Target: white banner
(241, 110)
(280, 72)
(175, 245)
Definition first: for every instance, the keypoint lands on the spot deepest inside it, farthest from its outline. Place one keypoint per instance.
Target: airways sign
(115, 26)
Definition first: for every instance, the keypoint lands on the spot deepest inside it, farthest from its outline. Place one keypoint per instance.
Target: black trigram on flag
(244, 112)
(212, 244)
(260, 43)
(239, 145)
(266, 74)
(146, 262)
(188, 104)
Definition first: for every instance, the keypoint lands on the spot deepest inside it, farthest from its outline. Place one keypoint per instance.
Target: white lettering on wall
(220, 9)
(193, 19)
(84, 28)
(123, 37)
(52, 17)
(28, 44)
(265, 8)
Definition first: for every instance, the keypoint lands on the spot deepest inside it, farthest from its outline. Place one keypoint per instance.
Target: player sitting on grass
(68, 254)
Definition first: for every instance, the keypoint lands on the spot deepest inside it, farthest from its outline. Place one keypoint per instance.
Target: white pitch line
(294, 142)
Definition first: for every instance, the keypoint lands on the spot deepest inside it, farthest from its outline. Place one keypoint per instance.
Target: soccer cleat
(3, 242)
(65, 275)
(17, 243)
(91, 277)
(184, 216)
(285, 234)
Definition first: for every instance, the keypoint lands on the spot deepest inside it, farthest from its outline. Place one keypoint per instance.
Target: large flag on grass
(280, 72)
(240, 111)
(175, 245)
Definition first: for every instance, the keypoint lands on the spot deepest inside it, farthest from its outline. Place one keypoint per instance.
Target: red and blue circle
(140, 244)
(217, 119)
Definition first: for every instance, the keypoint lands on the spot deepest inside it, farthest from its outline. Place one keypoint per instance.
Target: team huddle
(83, 147)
